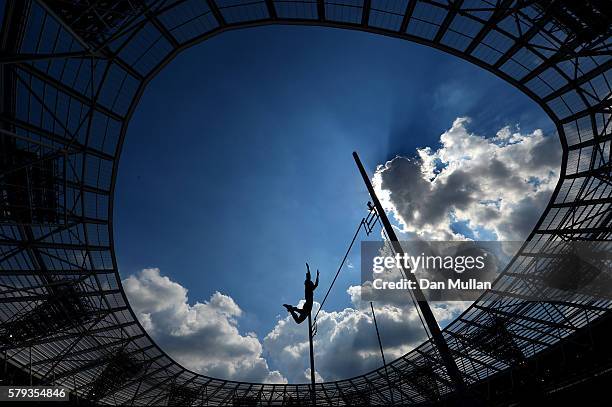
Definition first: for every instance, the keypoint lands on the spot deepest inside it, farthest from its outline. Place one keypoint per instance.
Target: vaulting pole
(312, 369)
(432, 324)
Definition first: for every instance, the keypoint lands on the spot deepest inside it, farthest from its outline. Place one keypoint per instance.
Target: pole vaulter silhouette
(300, 314)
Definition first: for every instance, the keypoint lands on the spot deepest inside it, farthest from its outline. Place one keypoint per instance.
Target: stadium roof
(72, 74)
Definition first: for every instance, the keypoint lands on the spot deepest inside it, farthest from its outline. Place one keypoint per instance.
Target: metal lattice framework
(72, 73)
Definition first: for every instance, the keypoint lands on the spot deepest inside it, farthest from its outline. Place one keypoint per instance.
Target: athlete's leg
(303, 314)
(295, 313)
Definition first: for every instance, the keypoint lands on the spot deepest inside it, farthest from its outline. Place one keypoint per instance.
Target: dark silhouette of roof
(72, 74)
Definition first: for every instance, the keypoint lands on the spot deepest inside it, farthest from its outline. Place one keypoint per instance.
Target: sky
(237, 169)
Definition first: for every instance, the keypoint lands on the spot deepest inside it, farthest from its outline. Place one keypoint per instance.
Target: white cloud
(203, 336)
(318, 377)
(499, 184)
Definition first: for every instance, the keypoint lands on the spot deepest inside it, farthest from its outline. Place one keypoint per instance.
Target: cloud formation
(204, 336)
(345, 343)
(495, 186)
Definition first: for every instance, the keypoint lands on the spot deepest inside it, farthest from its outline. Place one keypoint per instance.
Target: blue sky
(237, 164)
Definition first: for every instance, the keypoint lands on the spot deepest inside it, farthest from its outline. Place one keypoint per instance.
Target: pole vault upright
(430, 320)
(312, 368)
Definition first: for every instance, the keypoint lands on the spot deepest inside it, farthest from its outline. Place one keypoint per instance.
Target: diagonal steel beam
(453, 9)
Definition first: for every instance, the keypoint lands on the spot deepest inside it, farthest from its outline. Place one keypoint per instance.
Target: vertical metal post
(382, 352)
(312, 368)
(432, 324)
